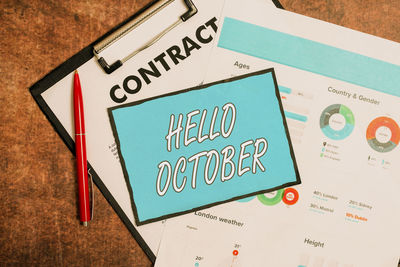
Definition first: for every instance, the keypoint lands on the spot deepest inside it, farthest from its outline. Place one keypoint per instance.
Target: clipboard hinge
(192, 10)
(109, 68)
(129, 26)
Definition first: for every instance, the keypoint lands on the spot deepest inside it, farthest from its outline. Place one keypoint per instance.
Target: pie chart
(383, 134)
(337, 121)
(272, 198)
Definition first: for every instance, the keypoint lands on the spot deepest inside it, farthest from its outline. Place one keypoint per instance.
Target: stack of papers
(338, 90)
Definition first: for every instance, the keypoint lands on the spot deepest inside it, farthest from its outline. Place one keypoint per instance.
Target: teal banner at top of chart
(308, 55)
(204, 146)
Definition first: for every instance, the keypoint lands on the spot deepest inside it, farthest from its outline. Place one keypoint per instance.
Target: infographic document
(341, 96)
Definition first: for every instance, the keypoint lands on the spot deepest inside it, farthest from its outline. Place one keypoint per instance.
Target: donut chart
(290, 196)
(383, 134)
(337, 121)
(271, 199)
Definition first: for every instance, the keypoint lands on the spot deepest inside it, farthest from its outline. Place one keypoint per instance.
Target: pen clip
(92, 195)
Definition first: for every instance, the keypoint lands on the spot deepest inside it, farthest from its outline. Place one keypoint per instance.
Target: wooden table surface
(38, 205)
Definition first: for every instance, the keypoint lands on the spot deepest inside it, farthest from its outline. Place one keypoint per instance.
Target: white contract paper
(178, 60)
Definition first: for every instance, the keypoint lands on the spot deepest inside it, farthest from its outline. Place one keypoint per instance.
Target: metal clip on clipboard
(131, 25)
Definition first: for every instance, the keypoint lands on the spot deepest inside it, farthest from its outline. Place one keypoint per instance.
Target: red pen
(80, 149)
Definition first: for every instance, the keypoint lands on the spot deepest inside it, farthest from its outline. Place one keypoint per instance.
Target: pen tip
(85, 224)
(76, 71)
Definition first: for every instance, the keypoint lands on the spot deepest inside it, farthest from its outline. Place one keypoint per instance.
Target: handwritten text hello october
(260, 146)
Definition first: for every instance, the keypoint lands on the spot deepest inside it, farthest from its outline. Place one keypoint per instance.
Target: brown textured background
(38, 206)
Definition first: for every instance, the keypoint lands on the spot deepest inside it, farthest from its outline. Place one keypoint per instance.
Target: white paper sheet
(96, 87)
(347, 213)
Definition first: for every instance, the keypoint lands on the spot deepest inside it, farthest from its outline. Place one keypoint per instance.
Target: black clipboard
(72, 64)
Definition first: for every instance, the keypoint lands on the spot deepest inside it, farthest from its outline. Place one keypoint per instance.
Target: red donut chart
(290, 196)
(390, 129)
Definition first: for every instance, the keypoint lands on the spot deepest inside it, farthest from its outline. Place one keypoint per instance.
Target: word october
(132, 84)
(228, 152)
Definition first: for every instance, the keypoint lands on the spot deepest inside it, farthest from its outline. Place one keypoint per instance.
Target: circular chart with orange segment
(383, 134)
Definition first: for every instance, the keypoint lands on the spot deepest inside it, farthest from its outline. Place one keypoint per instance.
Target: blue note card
(204, 146)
